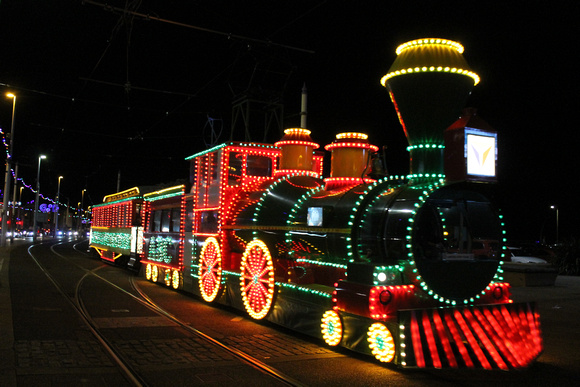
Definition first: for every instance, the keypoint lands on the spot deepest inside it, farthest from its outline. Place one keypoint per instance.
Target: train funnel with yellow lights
(429, 84)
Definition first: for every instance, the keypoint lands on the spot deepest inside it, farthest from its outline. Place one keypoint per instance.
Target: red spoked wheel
(210, 269)
(257, 279)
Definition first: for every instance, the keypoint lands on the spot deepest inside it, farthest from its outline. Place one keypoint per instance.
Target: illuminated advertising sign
(470, 154)
(480, 152)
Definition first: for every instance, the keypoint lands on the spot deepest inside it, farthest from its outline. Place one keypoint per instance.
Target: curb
(7, 357)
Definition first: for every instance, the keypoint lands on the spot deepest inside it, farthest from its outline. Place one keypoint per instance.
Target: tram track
(234, 351)
(133, 376)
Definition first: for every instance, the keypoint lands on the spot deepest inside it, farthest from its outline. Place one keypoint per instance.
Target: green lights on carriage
(114, 239)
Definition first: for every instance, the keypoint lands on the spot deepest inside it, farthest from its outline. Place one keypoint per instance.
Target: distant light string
(9, 157)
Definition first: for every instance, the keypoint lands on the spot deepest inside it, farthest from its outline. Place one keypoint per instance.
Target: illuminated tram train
(407, 269)
(114, 227)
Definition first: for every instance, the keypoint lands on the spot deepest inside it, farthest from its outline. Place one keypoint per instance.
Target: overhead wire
(228, 35)
(131, 9)
(127, 16)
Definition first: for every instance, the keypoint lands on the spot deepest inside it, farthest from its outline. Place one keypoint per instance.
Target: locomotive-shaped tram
(407, 269)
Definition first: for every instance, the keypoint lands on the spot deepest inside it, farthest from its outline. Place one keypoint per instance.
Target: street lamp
(557, 222)
(35, 225)
(57, 208)
(7, 176)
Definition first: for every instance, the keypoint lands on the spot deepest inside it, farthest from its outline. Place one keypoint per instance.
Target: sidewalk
(7, 360)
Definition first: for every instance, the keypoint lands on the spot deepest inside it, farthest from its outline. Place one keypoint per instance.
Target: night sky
(103, 93)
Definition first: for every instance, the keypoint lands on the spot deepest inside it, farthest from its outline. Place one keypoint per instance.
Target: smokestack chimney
(429, 84)
(297, 150)
(351, 160)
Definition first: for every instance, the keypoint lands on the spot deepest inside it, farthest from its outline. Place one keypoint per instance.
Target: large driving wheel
(257, 279)
(210, 269)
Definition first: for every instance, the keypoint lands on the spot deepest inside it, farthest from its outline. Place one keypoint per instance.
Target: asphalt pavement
(559, 307)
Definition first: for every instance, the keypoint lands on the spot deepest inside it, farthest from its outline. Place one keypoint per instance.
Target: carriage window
(208, 180)
(165, 220)
(235, 169)
(208, 222)
(259, 166)
(190, 216)
(213, 166)
(137, 215)
(156, 221)
(175, 219)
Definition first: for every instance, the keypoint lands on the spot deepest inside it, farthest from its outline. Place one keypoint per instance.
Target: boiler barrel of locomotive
(451, 234)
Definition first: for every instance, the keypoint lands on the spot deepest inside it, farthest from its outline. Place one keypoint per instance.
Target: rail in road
(78, 321)
(88, 288)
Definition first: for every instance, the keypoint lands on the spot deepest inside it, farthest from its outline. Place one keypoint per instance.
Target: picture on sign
(480, 149)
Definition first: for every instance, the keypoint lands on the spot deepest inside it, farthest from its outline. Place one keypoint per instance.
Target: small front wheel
(381, 342)
(331, 325)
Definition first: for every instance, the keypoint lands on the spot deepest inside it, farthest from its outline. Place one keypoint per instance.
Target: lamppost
(81, 204)
(79, 217)
(35, 225)
(554, 207)
(13, 217)
(20, 207)
(7, 176)
(57, 208)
